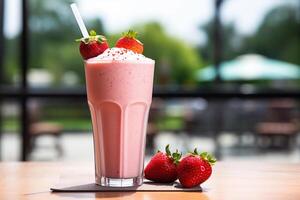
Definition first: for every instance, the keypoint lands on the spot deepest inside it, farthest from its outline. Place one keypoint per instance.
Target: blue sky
(180, 18)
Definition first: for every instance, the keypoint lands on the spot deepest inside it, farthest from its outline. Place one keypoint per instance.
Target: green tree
(11, 64)
(231, 42)
(52, 34)
(53, 30)
(278, 36)
(176, 61)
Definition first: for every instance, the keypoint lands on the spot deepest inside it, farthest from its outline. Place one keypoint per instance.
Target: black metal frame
(24, 86)
(24, 93)
(212, 93)
(1, 57)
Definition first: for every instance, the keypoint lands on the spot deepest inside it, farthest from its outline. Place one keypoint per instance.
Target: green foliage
(11, 62)
(52, 32)
(231, 42)
(176, 61)
(277, 37)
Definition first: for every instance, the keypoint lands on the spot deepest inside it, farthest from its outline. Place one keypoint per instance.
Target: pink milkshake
(119, 88)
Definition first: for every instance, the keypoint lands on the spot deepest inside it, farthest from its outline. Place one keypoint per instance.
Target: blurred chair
(241, 116)
(200, 122)
(40, 128)
(280, 126)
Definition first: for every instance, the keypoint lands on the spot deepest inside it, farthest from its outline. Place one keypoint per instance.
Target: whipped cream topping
(120, 54)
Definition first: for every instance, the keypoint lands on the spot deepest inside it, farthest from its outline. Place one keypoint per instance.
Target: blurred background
(227, 76)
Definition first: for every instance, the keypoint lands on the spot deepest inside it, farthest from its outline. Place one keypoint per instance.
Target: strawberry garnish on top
(162, 166)
(129, 41)
(195, 168)
(92, 46)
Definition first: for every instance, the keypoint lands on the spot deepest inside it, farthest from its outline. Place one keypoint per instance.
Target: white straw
(79, 20)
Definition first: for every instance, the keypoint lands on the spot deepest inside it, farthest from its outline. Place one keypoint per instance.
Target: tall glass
(119, 97)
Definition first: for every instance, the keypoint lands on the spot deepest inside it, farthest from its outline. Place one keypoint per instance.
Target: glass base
(119, 182)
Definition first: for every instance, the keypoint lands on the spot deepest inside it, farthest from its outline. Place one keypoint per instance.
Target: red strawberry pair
(191, 171)
(95, 44)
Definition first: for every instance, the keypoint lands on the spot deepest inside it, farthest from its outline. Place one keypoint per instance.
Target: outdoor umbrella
(251, 67)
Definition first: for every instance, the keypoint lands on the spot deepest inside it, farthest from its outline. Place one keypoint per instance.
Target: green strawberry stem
(92, 37)
(93, 33)
(205, 156)
(175, 156)
(130, 34)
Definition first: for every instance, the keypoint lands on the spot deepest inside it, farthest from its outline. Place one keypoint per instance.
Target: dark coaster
(71, 185)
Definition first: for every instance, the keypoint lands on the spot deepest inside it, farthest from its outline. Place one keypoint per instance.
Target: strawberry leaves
(167, 149)
(93, 33)
(205, 156)
(92, 37)
(130, 34)
(208, 157)
(175, 155)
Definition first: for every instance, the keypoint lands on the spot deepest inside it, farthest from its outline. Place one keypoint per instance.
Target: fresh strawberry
(129, 41)
(162, 166)
(92, 46)
(195, 169)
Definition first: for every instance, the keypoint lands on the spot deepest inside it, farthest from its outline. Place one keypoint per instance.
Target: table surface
(230, 180)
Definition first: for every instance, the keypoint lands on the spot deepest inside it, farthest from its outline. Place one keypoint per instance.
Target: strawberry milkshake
(119, 84)
(119, 88)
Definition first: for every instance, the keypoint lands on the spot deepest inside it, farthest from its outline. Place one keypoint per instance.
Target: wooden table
(242, 181)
